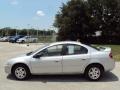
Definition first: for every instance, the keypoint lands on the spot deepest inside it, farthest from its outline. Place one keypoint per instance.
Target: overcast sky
(20, 13)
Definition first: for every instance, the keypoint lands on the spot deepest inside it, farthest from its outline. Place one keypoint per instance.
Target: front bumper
(8, 69)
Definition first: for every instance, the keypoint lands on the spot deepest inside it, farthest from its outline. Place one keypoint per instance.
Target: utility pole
(37, 32)
(2, 32)
(28, 29)
(44, 35)
(53, 30)
(7, 32)
(16, 31)
(37, 29)
(28, 34)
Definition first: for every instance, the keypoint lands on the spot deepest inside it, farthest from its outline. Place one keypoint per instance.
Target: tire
(20, 72)
(94, 72)
(34, 41)
(23, 41)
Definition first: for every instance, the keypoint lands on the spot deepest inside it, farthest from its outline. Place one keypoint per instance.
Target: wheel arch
(20, 64)
(94, 64)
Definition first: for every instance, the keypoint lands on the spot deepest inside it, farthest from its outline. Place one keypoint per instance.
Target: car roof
(65, 42)
(47, 45)
(73, 42)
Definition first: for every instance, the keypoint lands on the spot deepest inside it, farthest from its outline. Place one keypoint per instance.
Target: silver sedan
(62, 58)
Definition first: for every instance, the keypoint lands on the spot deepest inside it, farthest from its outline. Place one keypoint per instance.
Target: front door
(49, 62)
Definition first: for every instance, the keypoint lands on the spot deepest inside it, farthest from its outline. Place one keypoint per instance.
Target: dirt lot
(66, 82)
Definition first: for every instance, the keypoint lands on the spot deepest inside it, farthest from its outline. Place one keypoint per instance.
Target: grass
(115, 51)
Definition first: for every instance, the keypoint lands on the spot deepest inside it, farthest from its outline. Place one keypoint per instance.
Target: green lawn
(115, 51)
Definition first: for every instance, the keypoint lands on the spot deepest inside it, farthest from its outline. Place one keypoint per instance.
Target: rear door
(75, 58)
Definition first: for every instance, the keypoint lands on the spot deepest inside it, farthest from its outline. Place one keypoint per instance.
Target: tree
(7, 31)
(72, 21)
(82, 18)
(105, 13)
(22, 32)
(106, 17)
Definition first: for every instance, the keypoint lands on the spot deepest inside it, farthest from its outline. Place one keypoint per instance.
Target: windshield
(30, 53)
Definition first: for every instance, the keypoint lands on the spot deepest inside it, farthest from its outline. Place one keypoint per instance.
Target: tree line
(81, 19)
(7, 31)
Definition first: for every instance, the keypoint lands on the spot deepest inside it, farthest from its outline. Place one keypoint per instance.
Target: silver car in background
(5, 39)
(66, 57)
(27, 39)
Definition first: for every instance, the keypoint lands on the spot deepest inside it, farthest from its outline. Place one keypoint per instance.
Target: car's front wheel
(23, 41)
(94, 72)
(21, 72)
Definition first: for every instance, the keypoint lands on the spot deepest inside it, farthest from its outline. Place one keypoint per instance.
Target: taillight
(110, 55)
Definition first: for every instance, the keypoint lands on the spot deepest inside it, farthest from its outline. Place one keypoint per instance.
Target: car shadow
(108, 77)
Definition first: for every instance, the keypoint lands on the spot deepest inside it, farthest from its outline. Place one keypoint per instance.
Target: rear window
(95, 47)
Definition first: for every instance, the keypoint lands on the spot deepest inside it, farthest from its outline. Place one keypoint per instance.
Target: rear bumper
(110, 65)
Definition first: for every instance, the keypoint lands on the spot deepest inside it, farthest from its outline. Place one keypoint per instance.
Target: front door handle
(57, 61)
(83, 59)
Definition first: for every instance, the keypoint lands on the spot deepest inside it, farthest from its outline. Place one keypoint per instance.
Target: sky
(29, 13)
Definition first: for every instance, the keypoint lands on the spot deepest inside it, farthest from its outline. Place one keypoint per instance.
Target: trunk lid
(106, 49)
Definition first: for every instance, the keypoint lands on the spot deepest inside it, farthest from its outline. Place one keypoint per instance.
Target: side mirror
(37, 55)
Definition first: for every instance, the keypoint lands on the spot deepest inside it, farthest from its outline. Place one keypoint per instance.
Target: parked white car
(4, 39)
(62, 58)
(26, 39)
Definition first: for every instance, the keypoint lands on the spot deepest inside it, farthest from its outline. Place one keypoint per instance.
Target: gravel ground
(110, 80)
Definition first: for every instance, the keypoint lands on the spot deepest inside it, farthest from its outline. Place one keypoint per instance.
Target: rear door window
(72, 49)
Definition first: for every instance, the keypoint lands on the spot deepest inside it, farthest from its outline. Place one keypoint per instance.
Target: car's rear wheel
(94, 72)
(21, 72)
